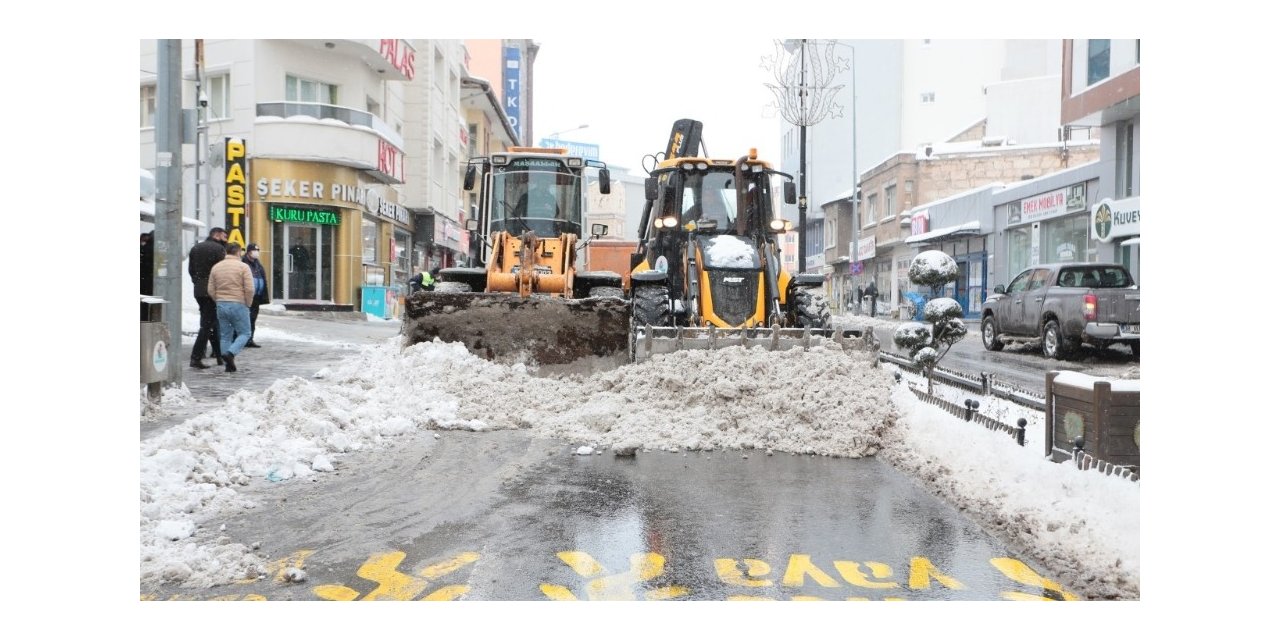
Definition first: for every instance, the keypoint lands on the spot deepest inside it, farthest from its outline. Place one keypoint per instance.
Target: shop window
(870, 218)
(890, 197)
(369, 241)
(1018, 248)
(1067, 240)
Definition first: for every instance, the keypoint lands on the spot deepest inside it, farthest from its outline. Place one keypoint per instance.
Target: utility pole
(168, 235)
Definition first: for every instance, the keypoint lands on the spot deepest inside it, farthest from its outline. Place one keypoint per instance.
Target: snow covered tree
(944, 324)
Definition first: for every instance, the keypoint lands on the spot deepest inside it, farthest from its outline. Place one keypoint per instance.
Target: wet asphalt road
(502, 516)
(1022, 364)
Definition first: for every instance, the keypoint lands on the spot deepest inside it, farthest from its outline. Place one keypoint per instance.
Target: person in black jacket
(875, 295)
(200, 261)
(260, 295)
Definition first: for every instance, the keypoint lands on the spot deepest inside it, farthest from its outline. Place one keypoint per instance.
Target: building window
(830, 232)
(1124, 159)
(472, 134)
(1018, 249)
(1099, 60)
(301, 90)
(927, 97)
(219, 91)
(148, 104)
(889, 200)
(373, 107)
(870, 218)
(401, 260)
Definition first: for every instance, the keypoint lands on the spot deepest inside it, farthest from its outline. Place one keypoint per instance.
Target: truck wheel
(812, 309)
(1053, 343)
(652, 306)
(990, 337)
(1134, 347)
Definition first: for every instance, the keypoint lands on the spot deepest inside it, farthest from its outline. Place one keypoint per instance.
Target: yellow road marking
(800, 566)
(922, 570)
(1018, 572)
(852, 574)
(727, 570)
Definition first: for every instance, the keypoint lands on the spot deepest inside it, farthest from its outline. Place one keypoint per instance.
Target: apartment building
(341, 159)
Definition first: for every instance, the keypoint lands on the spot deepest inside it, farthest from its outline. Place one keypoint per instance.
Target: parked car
(1064, 306)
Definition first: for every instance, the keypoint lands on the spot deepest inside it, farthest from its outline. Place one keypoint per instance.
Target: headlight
(670, 222)
(499, 159)
(688, 166)
(702, 166)
(777, 225)
(575, 162)
(657, 223)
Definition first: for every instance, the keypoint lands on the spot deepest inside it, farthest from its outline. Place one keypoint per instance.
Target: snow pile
(298, 427)
(730, 252)
(1087, 527)
(824, 402)
(170, 398)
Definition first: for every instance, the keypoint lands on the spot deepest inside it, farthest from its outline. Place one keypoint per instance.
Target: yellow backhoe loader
(707, 271)
(529, 302)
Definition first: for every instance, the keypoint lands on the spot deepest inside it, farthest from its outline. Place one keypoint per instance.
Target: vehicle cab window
(1019, 283)
(1038, 279)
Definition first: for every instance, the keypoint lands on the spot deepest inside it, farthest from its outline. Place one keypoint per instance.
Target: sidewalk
(293, 344)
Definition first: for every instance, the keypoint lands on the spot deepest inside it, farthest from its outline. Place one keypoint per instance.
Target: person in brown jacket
(231, 287)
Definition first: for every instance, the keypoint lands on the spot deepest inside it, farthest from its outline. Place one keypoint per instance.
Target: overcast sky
(629, 90)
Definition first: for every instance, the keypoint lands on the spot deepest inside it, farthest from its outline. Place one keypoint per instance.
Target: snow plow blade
(506, 328)
(650, 341)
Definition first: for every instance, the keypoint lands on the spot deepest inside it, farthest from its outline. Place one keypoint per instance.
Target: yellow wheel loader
(529, 302)
(707, 271)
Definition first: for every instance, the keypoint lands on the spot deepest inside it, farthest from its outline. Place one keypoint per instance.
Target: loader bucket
(650, 341)
(507, 328)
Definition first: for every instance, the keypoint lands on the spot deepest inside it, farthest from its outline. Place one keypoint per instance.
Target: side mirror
(604, 181)
(472, 224)
(789, 192)
(999, 288)
(650, 188)
(469, 180)
(598, 230)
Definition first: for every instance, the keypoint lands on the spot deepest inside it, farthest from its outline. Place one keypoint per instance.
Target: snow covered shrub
(928, 343)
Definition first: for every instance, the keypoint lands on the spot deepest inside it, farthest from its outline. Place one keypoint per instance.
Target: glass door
(303, 268)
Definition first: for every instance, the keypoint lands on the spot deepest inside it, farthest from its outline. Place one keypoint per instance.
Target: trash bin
(153, 351)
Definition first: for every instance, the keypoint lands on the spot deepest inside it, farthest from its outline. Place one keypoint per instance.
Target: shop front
(1047, 227)
(319, 228)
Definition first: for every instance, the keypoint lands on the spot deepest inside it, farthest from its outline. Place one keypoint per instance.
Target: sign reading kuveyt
(1113, 219)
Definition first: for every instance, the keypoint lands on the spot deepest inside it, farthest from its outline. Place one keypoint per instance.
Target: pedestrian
(873, 293)
(260, 294)
(231, 285)
(424, 280)
(146, 259)
(200, 261)
(858, 301)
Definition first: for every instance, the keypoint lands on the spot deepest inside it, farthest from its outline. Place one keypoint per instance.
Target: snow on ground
(1083, 522)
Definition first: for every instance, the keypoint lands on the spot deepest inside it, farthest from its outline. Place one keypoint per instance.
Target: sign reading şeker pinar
(1113, 219)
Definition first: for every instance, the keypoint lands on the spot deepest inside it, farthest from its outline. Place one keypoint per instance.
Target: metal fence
(970, 414)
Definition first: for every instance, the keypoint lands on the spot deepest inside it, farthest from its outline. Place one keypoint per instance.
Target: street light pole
(802, 103)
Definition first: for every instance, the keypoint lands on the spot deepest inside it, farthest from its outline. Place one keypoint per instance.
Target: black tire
(651, 305)
(991, 337)
(811, 309)
(1054, 344)
(1133, 346)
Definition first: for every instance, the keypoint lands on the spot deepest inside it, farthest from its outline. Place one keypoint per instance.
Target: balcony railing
(322, 111)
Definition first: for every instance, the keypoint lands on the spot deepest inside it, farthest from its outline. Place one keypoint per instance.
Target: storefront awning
(939, 235)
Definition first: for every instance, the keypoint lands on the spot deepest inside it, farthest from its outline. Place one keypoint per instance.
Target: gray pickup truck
(1064, 306)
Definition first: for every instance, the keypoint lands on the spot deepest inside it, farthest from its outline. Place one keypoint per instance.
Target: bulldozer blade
(650, 341)
(507, 328)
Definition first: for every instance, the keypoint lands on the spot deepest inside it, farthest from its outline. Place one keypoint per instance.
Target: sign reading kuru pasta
(279, 213)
